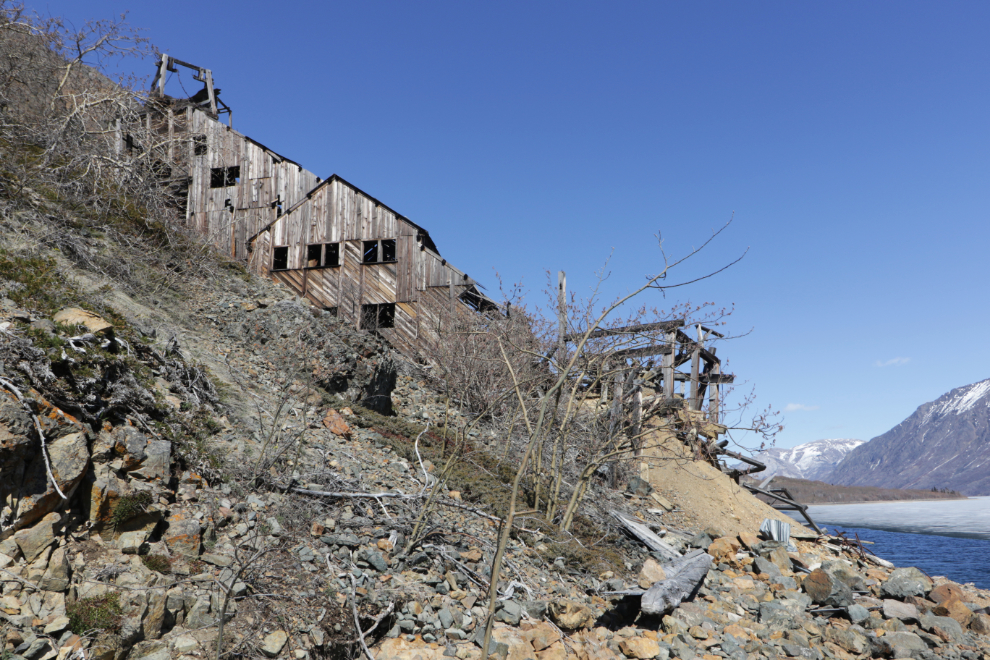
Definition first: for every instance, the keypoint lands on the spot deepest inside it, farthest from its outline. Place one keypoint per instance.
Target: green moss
(157, 563)
(96, 613)
(129, 506)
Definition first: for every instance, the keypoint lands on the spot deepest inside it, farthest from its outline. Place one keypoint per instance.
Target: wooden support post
(667, 365)
(695, 364)
(637, 420)
(561, 317)
(714, 398)
(210, 91)
(616, 422)
(450, 294)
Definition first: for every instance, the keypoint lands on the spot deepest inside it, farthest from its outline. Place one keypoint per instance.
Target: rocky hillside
(196, 463)
(944, 444)
(812, 460)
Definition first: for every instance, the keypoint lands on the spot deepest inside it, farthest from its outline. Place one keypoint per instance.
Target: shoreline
(938, 499)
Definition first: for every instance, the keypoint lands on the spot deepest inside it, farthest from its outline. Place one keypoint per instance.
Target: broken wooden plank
(626, 330)
(682, 579)
(644, 534)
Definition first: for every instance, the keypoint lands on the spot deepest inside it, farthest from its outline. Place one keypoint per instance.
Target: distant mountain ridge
(944, 444)
(812, 460)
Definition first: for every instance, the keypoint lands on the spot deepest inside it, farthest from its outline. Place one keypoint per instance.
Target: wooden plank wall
(227, 216)
(421, 282)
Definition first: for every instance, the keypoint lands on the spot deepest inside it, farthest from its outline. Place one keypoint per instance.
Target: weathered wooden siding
(277, 203)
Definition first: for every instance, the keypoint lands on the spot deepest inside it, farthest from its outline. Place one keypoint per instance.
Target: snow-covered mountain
(812, 460)
(944, 444)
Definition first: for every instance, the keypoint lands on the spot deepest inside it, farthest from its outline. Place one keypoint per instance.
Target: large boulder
(904, 582)
(26, 491)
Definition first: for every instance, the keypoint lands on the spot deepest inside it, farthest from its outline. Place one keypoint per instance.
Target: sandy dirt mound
(705, 496)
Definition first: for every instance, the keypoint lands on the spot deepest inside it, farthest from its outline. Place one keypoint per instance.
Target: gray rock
(536, 609)
(199, 615)
(857, 613)
(152, 650)
(950, 626)
(766, 566)
(639, 487)
(32, 542)
(841, 595)
(510, 613)
(500, 649)
(895, 609)
(407, 625)
(38, 648)
(446, 618)
(57, 576)
(780, 614)
(456, 633)
(217, 560)
(844, 571)
(904, 582)
(346, 540)
(274, 643)
(897, 645)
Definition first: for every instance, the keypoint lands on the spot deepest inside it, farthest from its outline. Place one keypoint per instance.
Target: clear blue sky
(850, 140)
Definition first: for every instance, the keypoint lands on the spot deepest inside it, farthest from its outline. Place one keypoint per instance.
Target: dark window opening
(376, 317)
(325, 255)
(222, 177)
(331, 255)
(332, 311)
(277, 205)
(386, 255)
(314, 256)
(371, 252)
(199, 145)
(388, 250)
(280, 258)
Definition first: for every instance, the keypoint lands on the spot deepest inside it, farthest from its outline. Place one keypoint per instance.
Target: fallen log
(683, 577)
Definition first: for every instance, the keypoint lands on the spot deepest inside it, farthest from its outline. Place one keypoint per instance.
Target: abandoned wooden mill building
(331, 242)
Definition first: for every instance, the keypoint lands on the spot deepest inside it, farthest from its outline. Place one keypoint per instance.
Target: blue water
(960, 559)
(944, 537)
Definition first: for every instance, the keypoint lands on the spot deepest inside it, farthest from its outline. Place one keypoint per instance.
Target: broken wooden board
(646, 535)
(683, 577)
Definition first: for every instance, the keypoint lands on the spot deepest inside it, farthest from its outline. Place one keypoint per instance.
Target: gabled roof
(423, 233)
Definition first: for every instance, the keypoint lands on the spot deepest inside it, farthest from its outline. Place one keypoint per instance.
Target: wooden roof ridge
(428, 240)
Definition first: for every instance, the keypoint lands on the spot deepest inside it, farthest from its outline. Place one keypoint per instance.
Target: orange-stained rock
(955, 609)
(336, 424)
(541, 636)
(736, 631)
(556, 651)
(724, 548)
(651, 572)
(749, 540)
(640, 648)
(519, 647)
(944, 592)
(183, 535)
(400, 649)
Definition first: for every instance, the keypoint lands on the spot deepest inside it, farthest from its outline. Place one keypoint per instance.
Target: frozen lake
(968, 518)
